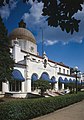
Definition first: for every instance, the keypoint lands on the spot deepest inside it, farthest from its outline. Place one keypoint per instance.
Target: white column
(28, 78)
(56, 86)
(28, 84)
(5, 87)
(17, 56)
(22, 87)
(62, 86)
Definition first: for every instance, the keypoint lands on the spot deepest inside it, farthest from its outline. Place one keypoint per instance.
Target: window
(15, 86)
(67, 71)
(64, 71)
(32, 49)
(20, 43)
(24, 43)
(60, 70)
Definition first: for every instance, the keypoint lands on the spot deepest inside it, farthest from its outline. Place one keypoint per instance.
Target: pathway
(72, 112)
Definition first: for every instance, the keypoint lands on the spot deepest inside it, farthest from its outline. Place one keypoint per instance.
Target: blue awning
(34, 77)
(70, 80)
(66, 80)
(44, 76)
(61, 80)
(78, 82)
(74, 80)
(17, 75)
(53, 80)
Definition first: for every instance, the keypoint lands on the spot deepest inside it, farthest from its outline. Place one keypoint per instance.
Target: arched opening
(71, 85)
(16, 83)
(70, 80)
(34, 77)
(53, 81)
(66, 83)
(60, 82)
(45, 76)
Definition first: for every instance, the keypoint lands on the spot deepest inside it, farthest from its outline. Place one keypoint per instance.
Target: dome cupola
(22, 33)
(25, 38)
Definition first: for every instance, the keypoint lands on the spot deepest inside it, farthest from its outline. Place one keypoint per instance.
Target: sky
(59, 46)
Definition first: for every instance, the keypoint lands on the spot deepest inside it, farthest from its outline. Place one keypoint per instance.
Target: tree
(71, 86)
(6, 61)
(60, 13)
(43, 85)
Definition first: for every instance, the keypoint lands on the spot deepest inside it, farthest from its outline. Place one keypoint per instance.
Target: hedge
(26, 109)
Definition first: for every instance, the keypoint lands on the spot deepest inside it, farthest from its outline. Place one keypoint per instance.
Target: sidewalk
(72, 112)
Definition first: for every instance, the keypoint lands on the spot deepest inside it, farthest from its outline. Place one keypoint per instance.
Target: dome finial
(22, 24)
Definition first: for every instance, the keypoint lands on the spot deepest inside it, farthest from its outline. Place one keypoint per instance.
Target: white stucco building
(30, 66)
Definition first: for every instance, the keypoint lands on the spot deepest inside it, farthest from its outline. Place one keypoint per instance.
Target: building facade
(29, 66)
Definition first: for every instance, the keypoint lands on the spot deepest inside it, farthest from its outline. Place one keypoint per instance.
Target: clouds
(6, 9)
(33, 17)
(56, 33)
(50, 42)
(36, 22)
(34, 14)
(51, 36)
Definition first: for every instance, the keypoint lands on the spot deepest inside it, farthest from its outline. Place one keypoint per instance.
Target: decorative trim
(48, 59)
(24, 65)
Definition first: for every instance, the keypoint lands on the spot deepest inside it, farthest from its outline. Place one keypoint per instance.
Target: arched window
(60, 81)
(45, 76)
(70, 80)
(53, 80)
(66, 80)
(16, 84)
(74, 80)
(34, 77)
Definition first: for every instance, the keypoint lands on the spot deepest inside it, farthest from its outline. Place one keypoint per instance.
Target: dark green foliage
(1, 100)
(6, 61)
(61, 13)
(72, 86)
(28, 109)
(43, 85)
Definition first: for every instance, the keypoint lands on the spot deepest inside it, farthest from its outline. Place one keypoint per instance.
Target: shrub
(29, 108)
(1, 100)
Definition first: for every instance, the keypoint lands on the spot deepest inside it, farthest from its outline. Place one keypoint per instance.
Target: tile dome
(22, 33)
